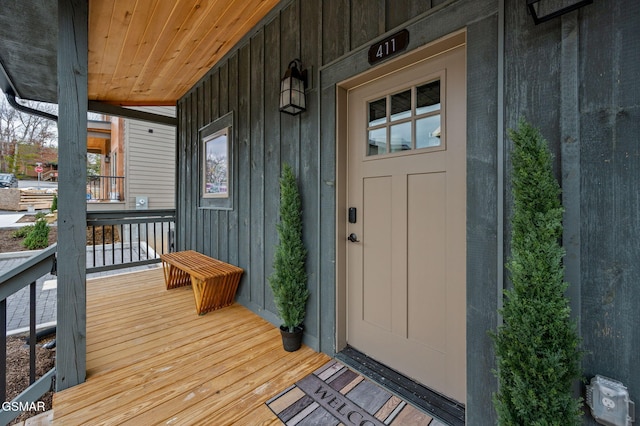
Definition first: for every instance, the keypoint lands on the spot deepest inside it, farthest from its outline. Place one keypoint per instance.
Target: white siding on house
(150, 160)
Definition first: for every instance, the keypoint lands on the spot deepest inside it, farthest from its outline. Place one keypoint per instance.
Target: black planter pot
(291, 341)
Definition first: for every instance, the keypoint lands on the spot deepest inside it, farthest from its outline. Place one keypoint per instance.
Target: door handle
(353, 238)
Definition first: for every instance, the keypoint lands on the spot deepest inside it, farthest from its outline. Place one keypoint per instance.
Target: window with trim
(216, 165)
(406, 120)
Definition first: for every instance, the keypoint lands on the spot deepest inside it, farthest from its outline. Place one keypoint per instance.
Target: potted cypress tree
(537, 347)
(289, 278)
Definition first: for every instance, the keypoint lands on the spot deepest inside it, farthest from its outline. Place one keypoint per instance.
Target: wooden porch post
(72, 152)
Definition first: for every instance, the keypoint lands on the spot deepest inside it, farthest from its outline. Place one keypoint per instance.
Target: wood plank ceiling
(151, 52)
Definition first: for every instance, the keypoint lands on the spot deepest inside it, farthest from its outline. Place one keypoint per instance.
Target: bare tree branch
(18, 128)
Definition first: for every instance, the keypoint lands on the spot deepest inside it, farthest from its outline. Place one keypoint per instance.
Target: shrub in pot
(289, 278)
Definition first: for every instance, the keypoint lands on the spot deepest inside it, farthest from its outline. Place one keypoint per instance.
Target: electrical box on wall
(142, 202)
(609, 402)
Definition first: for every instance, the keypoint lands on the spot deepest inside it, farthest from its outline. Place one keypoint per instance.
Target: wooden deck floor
(152, 360)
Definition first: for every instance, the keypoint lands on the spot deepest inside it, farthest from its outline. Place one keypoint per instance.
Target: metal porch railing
(127, 238)
(105, 188)
(11, 282)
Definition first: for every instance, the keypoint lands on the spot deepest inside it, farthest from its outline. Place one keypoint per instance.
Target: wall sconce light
(107, 158)
(292, 96)
(544, 10)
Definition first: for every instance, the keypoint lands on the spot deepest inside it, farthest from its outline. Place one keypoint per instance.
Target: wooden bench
(214, 282)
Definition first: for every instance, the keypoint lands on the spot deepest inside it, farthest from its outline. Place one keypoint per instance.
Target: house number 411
(390, 46)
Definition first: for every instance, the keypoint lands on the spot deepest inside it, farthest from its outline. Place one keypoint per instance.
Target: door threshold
(433, 403)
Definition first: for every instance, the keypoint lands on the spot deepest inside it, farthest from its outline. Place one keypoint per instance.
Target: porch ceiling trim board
(151, 358)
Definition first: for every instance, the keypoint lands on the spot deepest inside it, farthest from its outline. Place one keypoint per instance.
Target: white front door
(406, 260)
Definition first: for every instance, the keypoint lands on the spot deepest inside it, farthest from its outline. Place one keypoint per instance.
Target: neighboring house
(419, 283)
(137, 163)
(150, 162)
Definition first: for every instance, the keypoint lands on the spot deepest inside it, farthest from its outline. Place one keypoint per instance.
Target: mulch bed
(103, 235)
(9, 244)
(18, 370)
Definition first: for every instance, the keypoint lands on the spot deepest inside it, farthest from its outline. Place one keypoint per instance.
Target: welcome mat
(335, 395)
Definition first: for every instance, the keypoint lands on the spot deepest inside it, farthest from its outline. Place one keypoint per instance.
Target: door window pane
(428, 97)
(401, 137)
(428, 132)
(401, 105)
(406, 120)
(377, 141)
(378, 112)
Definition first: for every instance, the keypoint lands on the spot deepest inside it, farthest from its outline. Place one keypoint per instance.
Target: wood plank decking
(152, 360)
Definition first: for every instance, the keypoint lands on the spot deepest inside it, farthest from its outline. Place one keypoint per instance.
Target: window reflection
(216, 170)
(428, 97)
(401, 105)
(377, 112)
(377, 141)
(410, 119)
(400, 137)
(428, 132)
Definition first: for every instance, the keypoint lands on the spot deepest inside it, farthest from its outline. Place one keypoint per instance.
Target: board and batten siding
(573, 77)
(247, 83)
(150, 160)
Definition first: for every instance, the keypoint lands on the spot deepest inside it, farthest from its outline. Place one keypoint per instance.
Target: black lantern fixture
(544, 10)
(292, 96)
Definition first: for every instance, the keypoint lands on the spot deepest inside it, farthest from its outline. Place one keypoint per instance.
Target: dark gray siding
(247, 83)
(331, 37)
(574, 77)
(482, 211)
(609, 105)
